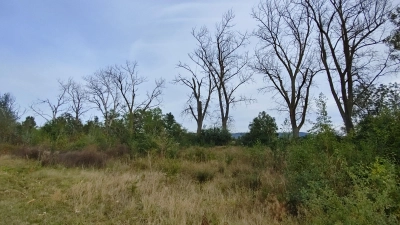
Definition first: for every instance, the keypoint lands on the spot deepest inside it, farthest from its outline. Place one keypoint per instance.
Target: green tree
(8, 118)
(62, 130)
(263, 130)
(27, 129)
(172, 128)
(372, 100)
(323, 122)
(381, 133)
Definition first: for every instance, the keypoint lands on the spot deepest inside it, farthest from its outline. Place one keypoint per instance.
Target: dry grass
(151, 190)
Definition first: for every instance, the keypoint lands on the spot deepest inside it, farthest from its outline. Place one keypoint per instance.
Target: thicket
(352, 179)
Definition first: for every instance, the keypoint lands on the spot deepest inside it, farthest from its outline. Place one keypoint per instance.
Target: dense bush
(86, 158)
(262, 131)
(212, 137)
(381, 133)
(373, 198)
(340, 183)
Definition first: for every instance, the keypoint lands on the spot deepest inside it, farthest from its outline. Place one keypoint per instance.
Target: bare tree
(56, 107)
(103, 94)
(350, 34)
(221, 55)
(76, 97)
(126, 81)
(285, 55)
(197, 84)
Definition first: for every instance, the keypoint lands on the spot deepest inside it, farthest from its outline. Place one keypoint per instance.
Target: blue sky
(42, 41)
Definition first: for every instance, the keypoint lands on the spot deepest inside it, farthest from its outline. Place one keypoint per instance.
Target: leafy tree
(214, 137)
(27, 130)
(263, 130)
(8, 118)
(173, 128)
(323, 122)
(29, 123)
(374, 99)
(64, 127)
(381, 133)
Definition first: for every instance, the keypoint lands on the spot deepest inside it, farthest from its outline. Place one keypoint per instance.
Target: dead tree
(350, 38)
(76, 96)
(103, 94)
(56, 107)
(198, 102)
(285, 56)
(127, 81)
(221, 55)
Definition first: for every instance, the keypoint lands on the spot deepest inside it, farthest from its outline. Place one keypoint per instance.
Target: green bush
(203, 175)
(374, 198)
(381, 134)
(262, 131)
(215, 137)
(309, 166)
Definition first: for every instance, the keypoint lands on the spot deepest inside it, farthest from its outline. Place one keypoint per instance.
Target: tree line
(351, 42)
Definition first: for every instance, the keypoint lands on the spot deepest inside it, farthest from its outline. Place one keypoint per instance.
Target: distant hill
(237, 135)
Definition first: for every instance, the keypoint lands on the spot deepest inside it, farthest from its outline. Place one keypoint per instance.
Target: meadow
(220, 185)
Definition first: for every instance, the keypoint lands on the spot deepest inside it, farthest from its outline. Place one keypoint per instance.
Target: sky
(43, 41)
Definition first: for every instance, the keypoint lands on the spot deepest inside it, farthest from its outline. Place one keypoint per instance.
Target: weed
(203, 176)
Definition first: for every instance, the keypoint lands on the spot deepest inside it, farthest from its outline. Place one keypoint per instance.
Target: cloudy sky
(42, 41)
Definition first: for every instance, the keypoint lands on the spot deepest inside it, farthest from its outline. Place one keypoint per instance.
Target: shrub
(86, 158)
(171, 167)
(203, 175)
(374, 198)
(262, 131)
(118, 150)
(381, 133)
(310, 167)
(214, 137)
(27, 152)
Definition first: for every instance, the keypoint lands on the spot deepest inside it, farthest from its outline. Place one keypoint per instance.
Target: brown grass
(151, 190)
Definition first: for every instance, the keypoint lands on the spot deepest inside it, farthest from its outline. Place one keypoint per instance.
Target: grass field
(228, 185)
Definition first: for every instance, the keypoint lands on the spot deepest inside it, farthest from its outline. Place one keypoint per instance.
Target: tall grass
(152, 190)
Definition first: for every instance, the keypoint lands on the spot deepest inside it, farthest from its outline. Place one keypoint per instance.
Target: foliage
(8, 118)
(213, 137)
(323, 121)
(374, 198)
(322, 131)
(262, 130)
(381, 133)
(372, 99)
(393, 40)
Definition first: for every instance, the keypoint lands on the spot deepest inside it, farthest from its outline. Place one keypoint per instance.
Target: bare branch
(285, 57)
(350, 35)
(220, 55)
(55, 107)
(76, 96)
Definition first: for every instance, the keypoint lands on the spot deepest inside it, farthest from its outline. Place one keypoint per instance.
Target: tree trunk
(225, 123)
(199, 126)
(348, 122)
(296, 132)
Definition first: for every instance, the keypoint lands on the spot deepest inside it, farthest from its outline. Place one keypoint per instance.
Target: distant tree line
(297, 41)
